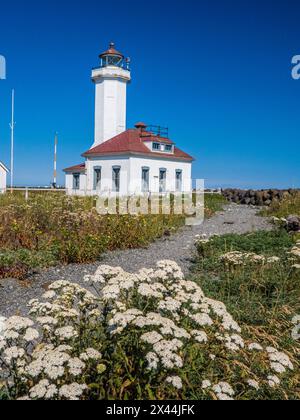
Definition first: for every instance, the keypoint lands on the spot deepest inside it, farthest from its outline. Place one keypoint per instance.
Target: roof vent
(141, 126)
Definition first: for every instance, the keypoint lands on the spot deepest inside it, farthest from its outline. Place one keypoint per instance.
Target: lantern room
(114, 58)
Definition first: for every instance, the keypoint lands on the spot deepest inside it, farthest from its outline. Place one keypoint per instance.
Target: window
(156, 146)
(76, 181)
(114, 61)
(116, 178)
(178, 180)
(145, 179)
(97, 178)
(162, 180)
(168, 148)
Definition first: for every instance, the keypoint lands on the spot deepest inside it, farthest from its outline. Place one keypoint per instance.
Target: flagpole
(12, 127)
(55, 161)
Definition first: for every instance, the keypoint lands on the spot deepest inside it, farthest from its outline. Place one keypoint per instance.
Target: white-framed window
(156, 146)
(145, 179)
(116, 178)
(162, 180)
(178, 178)
(168, 148)
(97, 177)
(76, 181)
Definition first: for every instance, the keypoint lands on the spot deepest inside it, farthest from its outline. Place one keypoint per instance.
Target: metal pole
(55, 162)
(12, 127)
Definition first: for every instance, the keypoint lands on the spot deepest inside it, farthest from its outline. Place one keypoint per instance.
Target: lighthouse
(111, 80)
(126, 161)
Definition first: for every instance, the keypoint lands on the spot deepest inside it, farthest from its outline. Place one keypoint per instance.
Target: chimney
(141, 127)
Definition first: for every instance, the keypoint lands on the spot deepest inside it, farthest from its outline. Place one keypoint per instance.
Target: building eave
(76, 169)
(3, 166)
(161, 156)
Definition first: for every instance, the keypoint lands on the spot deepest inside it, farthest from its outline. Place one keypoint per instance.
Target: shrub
(263, 295)
(147, 335)
(289, 205)
(54, 228)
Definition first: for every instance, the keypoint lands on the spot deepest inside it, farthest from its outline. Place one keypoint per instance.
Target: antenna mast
(55, 161)
(12, 127)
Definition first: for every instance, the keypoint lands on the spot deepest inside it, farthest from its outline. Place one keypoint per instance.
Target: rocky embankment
(291, 223)
(257, 198)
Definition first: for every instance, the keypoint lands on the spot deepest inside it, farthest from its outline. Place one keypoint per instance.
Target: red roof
(112, 51)
(76, 168)
(132, 142)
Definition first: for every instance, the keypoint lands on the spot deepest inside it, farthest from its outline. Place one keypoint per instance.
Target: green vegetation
(263, 297)
(51, 228)
(289, 205)
(152, 335)
(214, 203)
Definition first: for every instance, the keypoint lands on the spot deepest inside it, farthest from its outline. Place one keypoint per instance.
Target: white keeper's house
(137, 161)
(3, 175)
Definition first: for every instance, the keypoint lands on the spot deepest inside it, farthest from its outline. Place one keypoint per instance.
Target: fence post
(26, 194)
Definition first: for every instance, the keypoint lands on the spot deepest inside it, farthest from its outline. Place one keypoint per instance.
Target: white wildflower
(149, 290)
(47, 320)
(253, 384)
(90, 354)
(152, 360)
(11, 335)
(110, 292)
(206, 384)
(39, 391)
(54, 372)
(18, 323)
(278, 358)
(224, 397)
(202, 319)
(255, 346)
(58, 285)
(31, 334)
(273, 381)
(175, 381)
(76, 366)
(49, 295)
(72, 392)
(13, 353)
(223, 388)
(272, 260)
(66, 333)
(51, 392)
(200, 336)
(151, 338)
(278, 368)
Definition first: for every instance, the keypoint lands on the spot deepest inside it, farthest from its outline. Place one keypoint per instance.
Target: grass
(52, 228)
(213, 203)
(262, 298)
(287, 206)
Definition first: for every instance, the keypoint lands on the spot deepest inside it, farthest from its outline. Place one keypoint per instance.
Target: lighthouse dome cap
(112, 51)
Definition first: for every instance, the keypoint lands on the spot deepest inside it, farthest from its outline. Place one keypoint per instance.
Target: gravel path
(14, 295)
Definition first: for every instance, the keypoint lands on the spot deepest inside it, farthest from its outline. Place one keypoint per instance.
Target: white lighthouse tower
(110, 104)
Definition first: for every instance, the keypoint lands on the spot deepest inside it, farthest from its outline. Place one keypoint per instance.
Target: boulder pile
(291, 223)
(256, 198)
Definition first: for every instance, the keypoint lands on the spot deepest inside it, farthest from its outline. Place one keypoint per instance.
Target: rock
(2, 324)
(256, 198)
(293, 223)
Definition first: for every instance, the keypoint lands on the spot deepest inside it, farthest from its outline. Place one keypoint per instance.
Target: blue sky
(217, 73)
